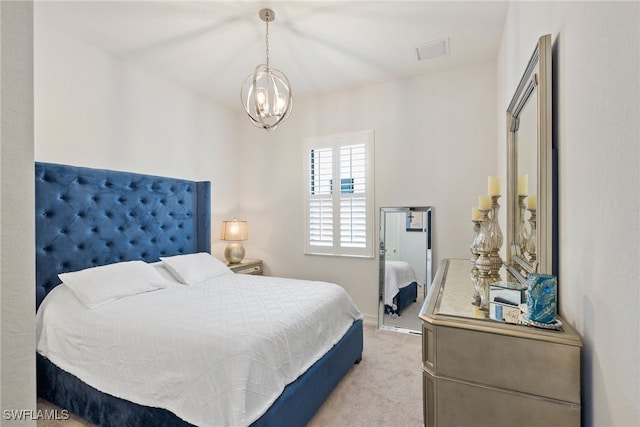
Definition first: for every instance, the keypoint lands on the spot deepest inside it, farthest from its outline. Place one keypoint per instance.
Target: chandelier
(266, 94)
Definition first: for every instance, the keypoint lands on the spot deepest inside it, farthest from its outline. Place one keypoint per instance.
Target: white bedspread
(217, 354)
(397, 274)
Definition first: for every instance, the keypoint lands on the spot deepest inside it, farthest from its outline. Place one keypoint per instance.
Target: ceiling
(210, 46)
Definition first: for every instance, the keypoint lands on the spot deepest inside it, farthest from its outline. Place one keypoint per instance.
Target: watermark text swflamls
(40, 414)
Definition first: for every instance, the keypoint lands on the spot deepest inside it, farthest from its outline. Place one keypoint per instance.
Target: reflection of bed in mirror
(400, 286)
(405, 266)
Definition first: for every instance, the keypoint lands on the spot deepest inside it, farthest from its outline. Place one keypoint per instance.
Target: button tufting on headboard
(88, 217)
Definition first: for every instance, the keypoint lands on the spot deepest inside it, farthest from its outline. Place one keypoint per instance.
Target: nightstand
(247, 266)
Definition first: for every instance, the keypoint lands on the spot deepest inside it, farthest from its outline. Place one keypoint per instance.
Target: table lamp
(234, 231)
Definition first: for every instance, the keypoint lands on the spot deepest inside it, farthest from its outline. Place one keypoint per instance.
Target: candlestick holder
(473, 259)
(495, 236)
(522, 232)
(484, 262)
(531, 242)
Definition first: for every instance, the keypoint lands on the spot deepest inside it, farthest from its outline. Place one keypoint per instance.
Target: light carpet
(385, 389)
(409, 318)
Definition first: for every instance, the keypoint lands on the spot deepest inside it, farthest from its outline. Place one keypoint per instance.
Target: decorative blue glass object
(542, 297)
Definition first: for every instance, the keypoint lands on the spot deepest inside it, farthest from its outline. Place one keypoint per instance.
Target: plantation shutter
(321, 199)
(353, 202)
(339, 202)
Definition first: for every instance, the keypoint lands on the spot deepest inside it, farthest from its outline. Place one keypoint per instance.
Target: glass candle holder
(531, 242)
(522, 231)
(474, 257)
(495, 236)
(484, 262)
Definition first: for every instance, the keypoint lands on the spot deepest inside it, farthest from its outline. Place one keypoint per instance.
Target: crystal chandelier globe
(266, 94)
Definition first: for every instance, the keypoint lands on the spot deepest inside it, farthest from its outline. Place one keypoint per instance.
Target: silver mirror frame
(381, 254)
(536, 78)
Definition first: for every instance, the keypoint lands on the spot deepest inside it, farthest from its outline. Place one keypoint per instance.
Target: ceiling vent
(433, 49)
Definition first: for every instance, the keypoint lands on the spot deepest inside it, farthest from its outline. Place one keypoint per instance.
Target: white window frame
(335, 142)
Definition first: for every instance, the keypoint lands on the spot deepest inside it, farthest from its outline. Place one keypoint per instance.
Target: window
(339, 195)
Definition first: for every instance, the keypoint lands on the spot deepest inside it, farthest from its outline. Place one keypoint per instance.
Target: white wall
(94, 110)
(596, 48)
(435, 145)
(17, 230)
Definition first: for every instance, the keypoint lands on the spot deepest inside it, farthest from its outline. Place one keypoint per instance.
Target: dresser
(481, 372)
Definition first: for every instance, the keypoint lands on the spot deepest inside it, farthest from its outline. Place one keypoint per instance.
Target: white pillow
(194, 268)
(162, 269)
(96, 286)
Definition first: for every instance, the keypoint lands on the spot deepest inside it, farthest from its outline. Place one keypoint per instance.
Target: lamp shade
(234, 230)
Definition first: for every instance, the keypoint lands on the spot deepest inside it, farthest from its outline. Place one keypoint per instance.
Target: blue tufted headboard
(89, 217)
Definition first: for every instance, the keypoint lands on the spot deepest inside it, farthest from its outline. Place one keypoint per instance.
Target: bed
(400, 286)
(88, 218)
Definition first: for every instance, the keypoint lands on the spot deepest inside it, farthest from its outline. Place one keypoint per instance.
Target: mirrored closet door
(405, 266)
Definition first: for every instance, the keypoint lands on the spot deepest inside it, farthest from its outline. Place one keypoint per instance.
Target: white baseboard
(370, 320)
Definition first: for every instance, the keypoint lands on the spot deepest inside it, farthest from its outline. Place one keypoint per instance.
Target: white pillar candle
(523, 185)
(494, 185)
(475, 214)
(532, 203)
(484, 202)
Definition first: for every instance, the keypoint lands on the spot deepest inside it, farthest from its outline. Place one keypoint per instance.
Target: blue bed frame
(407, 296)
(88, 217)
(404, 298)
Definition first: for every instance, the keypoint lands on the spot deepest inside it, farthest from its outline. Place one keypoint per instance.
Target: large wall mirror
(405, 266)
(530, 246)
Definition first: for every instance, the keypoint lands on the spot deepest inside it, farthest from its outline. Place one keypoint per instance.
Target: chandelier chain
(267, 44)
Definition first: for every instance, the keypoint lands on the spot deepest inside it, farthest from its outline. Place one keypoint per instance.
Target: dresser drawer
(524, 365)
(429, 399)
(485, 406)
(428, 346)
